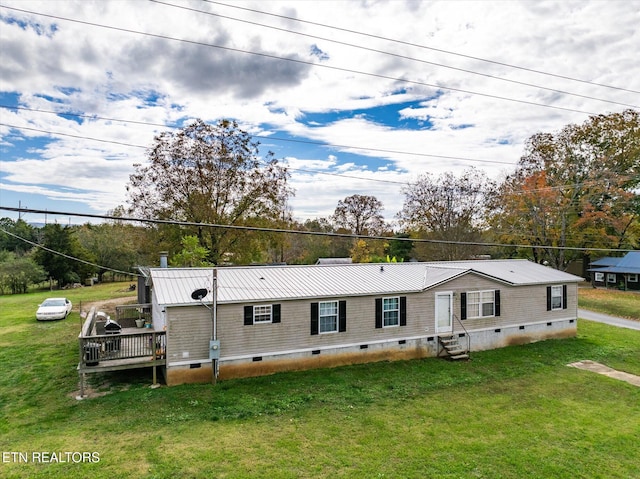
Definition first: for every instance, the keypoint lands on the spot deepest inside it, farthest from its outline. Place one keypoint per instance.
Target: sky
(355, 97)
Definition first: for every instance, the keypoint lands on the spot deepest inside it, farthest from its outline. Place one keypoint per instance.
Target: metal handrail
(466, 333)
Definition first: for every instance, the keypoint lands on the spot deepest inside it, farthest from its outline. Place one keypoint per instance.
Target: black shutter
(403, 310)
(315, 316)
(378, 312)
(463, 305)
(564, 296)
(275, 313)
(342, 316)
(497, 302)
(248, 315)
(548, 298)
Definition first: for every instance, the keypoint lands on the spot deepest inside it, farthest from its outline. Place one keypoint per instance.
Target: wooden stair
(454, 350)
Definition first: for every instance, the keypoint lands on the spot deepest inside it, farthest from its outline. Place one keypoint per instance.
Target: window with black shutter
(315, 312)
(342, 316)
(248, 315)
(463, 305)
(260, 314)
(378, 313)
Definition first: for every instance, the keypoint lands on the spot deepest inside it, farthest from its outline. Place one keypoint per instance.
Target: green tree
(210, 174)
(13, 233)
(111, 244)
(192, 255)
(399, 247)
(61, 253)
(17, 273)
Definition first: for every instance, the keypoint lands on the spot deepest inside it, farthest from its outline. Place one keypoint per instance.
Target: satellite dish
(199, 294)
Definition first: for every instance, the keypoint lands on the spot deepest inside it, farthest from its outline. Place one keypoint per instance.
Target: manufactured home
(248, 321)
(620, 273)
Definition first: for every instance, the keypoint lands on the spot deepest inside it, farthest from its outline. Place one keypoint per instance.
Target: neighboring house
(622, 273)
(279, 318)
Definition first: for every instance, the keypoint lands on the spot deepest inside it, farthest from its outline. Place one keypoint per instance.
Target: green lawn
(625, 304)
(509, 413)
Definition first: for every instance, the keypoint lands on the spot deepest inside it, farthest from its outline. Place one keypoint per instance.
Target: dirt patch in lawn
(108, 305)
(606, 371)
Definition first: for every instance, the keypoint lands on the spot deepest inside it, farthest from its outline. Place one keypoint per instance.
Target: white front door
(444, 312)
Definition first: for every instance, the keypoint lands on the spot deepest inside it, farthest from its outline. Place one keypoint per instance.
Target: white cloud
(54, 64)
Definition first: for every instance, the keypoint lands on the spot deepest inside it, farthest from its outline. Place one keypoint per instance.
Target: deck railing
(108, 347)
(126, 349)
(128, 313)
(97, 348)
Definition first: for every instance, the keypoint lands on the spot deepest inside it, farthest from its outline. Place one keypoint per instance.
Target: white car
(53, 308)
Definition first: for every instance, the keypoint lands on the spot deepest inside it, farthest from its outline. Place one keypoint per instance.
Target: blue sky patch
(388, 115)
(40, 29)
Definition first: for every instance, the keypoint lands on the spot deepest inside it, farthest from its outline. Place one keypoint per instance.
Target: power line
(128, 273)
(448, 52)
(301, 232)
(308, 142)
(303, 170)
(396, 55)
(301, 62)
(71, 135)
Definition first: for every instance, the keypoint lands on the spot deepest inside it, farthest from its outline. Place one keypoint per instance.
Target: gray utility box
(214, 349)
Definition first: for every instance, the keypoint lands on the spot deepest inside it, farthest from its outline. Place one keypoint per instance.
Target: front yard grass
(625, 304)
(510, 413)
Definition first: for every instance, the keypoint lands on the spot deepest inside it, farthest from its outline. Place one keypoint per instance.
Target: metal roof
(517, 272)
(629, 263)
(606, 261)
(173, 286)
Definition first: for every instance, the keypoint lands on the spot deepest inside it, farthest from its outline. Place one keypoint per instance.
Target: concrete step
(455, 352)
(458, 357)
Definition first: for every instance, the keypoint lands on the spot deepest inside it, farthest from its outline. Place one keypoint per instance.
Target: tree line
(574, 190)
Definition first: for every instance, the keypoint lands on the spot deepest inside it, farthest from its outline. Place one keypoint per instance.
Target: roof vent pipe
(163, 259)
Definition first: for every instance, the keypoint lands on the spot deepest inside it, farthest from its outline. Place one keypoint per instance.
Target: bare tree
(447, 208)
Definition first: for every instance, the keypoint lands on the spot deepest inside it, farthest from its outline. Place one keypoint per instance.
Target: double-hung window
(391, 312)
(328, 317)
(556, 297)
(481, 304)
(632, 278)
(262, 314)
(599, 277)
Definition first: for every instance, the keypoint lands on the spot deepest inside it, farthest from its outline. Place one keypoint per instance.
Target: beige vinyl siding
(189, 328)
(294, 330)
(518, 304)
(188, 334)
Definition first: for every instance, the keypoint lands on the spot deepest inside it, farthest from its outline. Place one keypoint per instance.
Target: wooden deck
(121, 364)
(130, 348)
